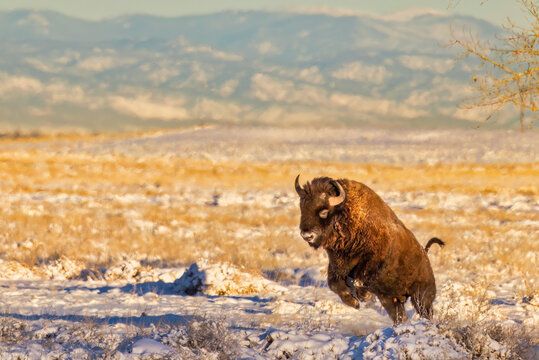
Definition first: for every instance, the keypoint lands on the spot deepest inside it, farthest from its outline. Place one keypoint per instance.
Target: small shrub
(204, 338)
(12, 331)
(479, 330)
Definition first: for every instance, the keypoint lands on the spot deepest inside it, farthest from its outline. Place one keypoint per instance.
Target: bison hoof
(350, 284)
(349, 300)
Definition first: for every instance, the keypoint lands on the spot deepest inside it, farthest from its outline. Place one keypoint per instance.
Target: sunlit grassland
(36, 170)
(99, 209)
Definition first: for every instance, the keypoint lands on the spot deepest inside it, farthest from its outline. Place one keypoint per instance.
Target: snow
(386, 146)
(134, 308)
(222, 279)
(416, 340)
(314, 324)
(149, 346)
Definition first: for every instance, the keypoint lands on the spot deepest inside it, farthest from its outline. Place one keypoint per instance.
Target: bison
(369, 248)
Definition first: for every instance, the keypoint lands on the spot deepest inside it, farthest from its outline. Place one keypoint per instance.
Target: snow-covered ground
(217, 311)
(387, 146)
(137, 305)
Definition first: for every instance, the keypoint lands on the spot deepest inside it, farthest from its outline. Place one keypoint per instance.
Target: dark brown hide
(366, 242)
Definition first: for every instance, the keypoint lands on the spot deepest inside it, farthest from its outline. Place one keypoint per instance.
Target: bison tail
(434, 240)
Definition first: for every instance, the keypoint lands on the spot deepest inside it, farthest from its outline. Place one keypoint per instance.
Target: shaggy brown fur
(369, 248)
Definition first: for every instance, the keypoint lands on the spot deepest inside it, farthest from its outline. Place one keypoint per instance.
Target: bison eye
(324, 213)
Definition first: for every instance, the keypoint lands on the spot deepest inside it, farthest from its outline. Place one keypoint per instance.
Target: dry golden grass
(40, 168)
(99, 229)
(102, 209)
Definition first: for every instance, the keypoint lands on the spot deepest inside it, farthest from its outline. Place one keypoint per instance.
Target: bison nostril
(307, 236)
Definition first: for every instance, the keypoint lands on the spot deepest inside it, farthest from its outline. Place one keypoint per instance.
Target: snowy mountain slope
(284, 68)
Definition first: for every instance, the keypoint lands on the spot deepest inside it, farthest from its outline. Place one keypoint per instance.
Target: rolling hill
(234, 68)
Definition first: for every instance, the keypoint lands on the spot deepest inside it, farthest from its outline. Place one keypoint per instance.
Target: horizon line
(334, 12)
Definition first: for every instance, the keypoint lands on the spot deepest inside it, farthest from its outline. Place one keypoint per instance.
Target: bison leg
(356, 289)
(338, 286)
(395, 308)
(362, 293)
(422, 301)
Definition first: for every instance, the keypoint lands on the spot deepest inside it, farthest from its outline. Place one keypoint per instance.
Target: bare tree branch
(509, 68)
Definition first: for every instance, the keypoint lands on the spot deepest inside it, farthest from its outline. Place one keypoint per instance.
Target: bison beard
(369, 248)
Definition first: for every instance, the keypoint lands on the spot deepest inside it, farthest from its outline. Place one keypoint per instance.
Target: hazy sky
(493, 10)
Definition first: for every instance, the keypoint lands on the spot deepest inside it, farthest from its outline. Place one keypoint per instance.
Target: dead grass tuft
(471, 320)
(204, 338)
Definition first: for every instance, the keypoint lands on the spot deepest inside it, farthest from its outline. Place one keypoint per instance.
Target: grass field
(75, 205)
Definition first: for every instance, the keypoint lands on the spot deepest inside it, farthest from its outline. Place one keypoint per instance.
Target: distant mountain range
(241, 68)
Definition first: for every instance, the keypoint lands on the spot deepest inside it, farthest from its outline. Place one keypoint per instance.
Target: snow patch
(128, 270)
(222, 279)
(64, 269)
(295, 344)
(416, 340)
(148, 346)
(15, 270)
(308, 276)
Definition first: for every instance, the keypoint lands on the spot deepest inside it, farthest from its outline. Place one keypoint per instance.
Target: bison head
(319, 202)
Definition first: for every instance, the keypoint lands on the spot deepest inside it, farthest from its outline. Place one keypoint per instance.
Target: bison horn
(299, 190)
(341, 195)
